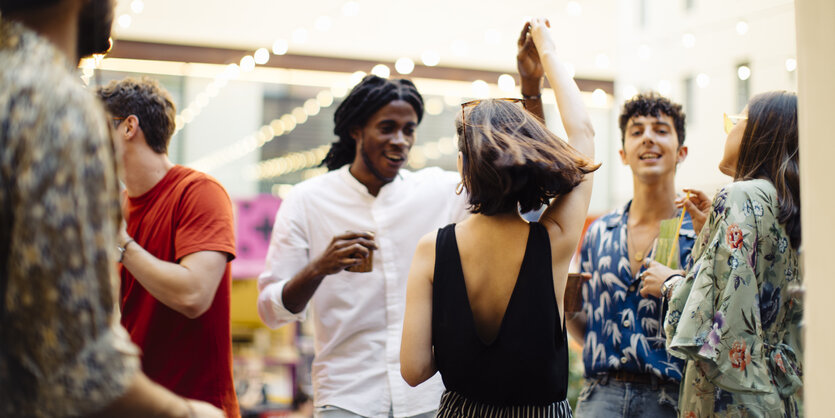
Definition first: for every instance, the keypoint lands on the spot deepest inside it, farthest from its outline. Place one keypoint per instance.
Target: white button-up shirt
(358, 317)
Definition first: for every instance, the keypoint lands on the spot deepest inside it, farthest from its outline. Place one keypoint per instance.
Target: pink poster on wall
(254, 220)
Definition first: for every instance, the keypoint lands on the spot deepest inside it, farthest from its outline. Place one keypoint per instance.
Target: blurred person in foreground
(733, 315)
(176, 251)
(62, 353)
(484, 303)
(367, 212)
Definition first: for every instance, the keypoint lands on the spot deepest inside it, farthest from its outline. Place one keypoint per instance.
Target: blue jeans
(329, 411)
(619, 399)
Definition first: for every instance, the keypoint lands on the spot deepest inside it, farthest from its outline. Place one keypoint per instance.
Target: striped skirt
(455, 405)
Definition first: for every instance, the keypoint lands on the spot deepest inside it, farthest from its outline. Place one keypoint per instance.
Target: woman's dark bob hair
(511, 161)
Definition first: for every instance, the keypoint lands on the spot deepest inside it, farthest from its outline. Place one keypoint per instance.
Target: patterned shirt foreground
(734, 318)
(623, 329)
(61, 352)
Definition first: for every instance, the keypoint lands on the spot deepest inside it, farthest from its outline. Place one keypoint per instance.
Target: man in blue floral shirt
(627, 368)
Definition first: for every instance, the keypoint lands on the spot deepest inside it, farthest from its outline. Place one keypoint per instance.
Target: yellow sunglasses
(732, 120)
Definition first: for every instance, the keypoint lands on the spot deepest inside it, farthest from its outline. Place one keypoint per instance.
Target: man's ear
(682, 154)
(622, 154)
(131, 127)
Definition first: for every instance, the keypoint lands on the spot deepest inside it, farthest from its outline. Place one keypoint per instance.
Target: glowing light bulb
(404, 65)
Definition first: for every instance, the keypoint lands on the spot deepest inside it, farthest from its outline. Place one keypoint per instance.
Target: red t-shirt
(186, 212)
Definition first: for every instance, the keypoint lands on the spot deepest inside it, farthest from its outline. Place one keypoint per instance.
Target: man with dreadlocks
(334, 222)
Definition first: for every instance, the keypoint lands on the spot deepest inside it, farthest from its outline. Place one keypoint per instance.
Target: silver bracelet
(124, 248)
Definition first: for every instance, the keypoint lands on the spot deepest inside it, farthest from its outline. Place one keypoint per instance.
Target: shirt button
(626, 323)
(623, 360)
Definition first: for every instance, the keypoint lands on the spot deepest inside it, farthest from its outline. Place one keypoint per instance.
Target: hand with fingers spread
(346, 250)
(654, 277)
(697, 206)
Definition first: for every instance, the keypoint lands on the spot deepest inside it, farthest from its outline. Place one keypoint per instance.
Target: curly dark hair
(652, 104)
(148, 101)
(364, 100)
(769, 149)
(512, 161)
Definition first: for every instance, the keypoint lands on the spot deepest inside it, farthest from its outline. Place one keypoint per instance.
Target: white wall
(236, 112)
(718, 50)
(816, 56)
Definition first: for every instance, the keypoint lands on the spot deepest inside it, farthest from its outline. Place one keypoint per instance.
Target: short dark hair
(364, 100)
(512, 161)
(146, 99)
(769, 149)
(652, 104)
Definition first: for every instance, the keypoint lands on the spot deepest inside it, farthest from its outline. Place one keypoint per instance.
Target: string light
(307, 161)
(266, 133)
(430, 58)
(743, 72)
(381, 70)
(404, 65)
(260, 57)
(507, 83)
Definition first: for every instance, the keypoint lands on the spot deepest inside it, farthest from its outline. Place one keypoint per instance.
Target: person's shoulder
(608, 220)
(756, 189)
(316, 184)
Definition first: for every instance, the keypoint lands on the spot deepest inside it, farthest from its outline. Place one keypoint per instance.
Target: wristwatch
(124, 247)
(668, 284)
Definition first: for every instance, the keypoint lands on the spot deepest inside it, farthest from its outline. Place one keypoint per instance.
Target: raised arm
(565, 215)
(530, 73)
(575, 117)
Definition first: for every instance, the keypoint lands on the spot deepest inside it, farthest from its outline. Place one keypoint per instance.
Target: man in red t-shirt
(175, 252)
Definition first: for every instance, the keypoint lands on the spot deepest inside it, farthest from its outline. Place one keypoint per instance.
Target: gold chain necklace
(639, 255)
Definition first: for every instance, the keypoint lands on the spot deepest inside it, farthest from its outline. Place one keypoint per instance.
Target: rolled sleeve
(288, 254)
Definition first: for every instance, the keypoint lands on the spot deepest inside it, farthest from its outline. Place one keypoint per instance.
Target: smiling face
(383, 144)
(651, 148)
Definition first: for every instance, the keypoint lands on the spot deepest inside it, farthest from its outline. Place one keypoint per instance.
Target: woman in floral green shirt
(733, 316)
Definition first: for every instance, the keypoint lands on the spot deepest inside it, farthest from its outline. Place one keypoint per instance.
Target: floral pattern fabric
(734, 319)
(62, 353)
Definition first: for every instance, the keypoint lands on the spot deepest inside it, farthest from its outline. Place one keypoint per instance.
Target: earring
(460, 187)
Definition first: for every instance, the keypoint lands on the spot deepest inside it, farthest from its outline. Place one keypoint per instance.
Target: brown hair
(511, 161)
(148, 101)
(769, 150)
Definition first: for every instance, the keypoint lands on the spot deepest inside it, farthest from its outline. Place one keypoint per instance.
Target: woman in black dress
(484, 299)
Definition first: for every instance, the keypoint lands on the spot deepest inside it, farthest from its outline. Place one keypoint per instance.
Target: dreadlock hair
(769, 150)
(364, 100)
(511, 161)
(652, 104)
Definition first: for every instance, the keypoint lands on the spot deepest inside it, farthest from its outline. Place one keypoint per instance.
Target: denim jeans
(619, 399)
(329, 411)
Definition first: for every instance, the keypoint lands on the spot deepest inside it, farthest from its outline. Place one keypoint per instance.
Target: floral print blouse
(734, 318)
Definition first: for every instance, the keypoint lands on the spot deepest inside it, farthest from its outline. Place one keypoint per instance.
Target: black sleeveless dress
(524, 371)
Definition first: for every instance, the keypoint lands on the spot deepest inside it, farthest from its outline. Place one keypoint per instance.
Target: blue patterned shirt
(624, 331)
